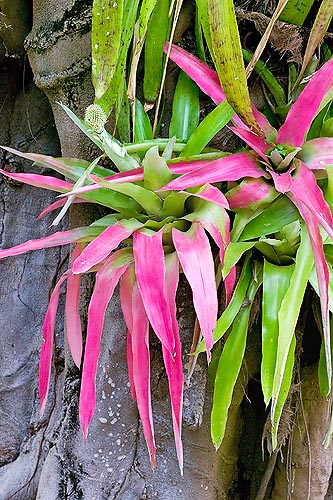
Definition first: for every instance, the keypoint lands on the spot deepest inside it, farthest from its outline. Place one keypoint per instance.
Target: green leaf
(185, 108)
(280, 213)
(106, 37)
(174, 204)
(199, 37)
(268, 78)
(208, 128)
(130, 9)
(284, 391)
(229, 366)
(230, 313)
(276, 281)
(296, 11)
(204, 22)
(318, 30)
(228, 57)
(322, 368)
(156, 36)
(287, 317)
(156, 171)
(123, 113)
(142, 126)
(149, 201)
(234, 253)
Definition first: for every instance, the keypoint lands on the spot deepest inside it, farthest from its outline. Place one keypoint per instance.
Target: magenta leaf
(250, 193)
(56, 239)
(282, 182)
(173, 364)
(47, 345)
(150, 274)
(228, 168)
(217, 223)
(41, 181)
(72, 314)
(126, 289)
(305, 189)
(258, 144)
(65, 166)
(303, 111)
(322, 277)
(141, 369)
(212, 194)
(209, 83)
(136, 175)
(317, 153)
(194, 253)
(103, 245)
(206, 78)
(106, 281)
(129, 357)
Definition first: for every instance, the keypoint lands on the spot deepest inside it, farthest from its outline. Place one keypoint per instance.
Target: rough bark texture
(309, 465)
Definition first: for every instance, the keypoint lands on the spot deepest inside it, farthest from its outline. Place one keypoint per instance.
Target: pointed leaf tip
(194, 253)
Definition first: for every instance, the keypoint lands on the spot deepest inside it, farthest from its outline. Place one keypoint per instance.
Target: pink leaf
(322, 278)
(195, 256)
(209, 83)
(47, 345)
(217, 223)
(304, 188)
(103, 245)
(317, 153)
(126, 289)
(228, 168)
(249, 193)
(56, 239)
(303, 111)
(206, 78)
(212, 194)
(136, 175)
(258, 144)
(129, 357)
(41, 181)
(282, 182)
(59, 164)
(72, 314)
(173, 364)
(59, 204)
(150, 274)
(141, 370)
(106, 281)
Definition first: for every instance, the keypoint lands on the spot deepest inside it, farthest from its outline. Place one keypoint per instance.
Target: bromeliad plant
(279, 187)
(141, 245)
(165, 208)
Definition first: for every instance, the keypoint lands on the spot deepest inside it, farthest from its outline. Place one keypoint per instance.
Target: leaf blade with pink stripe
(106, 280)
(194, 253)
(150, 274)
